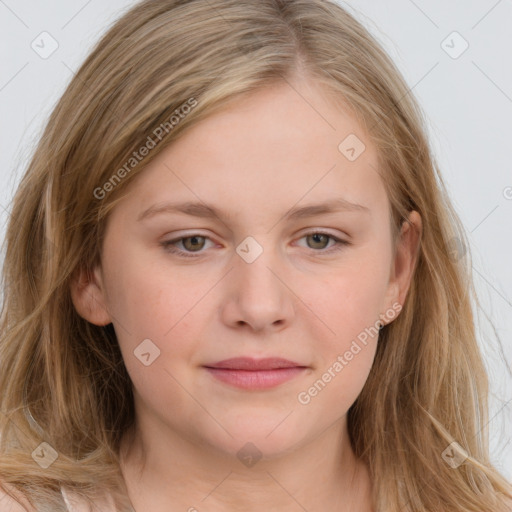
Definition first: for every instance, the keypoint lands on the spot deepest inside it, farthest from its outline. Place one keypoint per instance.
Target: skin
(265, 153)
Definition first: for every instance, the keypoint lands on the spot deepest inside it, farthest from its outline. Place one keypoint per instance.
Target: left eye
(191, 243)
(320, 238)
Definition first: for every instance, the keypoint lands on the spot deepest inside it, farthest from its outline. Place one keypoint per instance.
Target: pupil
(316, 236)
(193, 241)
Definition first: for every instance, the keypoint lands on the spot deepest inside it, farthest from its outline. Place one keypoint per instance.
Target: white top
(77, 504)
(72, 501)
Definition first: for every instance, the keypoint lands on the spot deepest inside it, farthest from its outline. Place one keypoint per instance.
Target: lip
(250, 373)
(253, 364)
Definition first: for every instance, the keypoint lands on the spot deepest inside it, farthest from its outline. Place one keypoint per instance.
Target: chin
(258, 437)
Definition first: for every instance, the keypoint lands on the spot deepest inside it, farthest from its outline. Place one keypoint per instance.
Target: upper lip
(250, 363)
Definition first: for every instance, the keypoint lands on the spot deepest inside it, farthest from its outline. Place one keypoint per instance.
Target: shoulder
(8, 503)
(75, 503)
(14, 501)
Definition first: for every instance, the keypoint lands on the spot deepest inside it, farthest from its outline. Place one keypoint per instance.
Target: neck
(183, 474)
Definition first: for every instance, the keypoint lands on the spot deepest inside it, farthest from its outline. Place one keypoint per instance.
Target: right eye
(196, 242)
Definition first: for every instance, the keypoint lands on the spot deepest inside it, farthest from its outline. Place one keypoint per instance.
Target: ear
(87, 293)
(404, 261)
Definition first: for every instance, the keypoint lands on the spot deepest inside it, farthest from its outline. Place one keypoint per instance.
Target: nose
(258, 294)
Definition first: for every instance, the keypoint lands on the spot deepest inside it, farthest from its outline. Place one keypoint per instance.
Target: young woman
(228, 281)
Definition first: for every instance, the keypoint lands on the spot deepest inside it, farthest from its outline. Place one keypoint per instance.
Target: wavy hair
(63, 381)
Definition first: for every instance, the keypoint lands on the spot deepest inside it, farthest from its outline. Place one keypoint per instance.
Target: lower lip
(256, 379)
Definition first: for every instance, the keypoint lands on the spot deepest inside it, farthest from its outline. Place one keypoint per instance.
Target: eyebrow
(204, 210)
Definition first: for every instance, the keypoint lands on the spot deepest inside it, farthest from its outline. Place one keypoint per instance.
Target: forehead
(285, 121)
(279, 145)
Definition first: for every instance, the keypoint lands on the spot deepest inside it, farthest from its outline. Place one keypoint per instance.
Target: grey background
(467, 100)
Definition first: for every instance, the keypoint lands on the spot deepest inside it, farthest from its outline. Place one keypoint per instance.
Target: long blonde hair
(63, 381)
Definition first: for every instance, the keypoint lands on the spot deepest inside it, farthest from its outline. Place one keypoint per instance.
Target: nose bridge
(256, 262)
(261, 297)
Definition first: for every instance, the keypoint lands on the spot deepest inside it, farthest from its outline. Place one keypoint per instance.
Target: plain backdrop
(456, 58)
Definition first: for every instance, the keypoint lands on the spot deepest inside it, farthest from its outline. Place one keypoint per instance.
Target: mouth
(250, 373)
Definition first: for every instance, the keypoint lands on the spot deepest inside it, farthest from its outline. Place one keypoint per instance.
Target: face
(186, 290)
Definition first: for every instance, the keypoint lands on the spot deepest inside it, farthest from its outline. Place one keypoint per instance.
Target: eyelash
(169, 245)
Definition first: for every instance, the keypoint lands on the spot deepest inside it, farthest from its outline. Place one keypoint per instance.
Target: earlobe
(392, 304)
(405, 260)
(88, 297)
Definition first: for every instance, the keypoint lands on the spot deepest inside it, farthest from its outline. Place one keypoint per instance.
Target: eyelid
(168, 245)
(339, 244)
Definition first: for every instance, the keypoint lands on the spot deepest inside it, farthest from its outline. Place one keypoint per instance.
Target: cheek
(352, 296)
(164, 311)
(349, 304)
(151, 299)
(345, 356)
